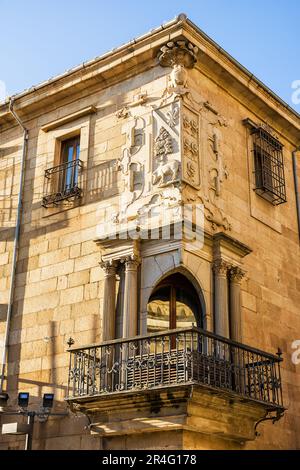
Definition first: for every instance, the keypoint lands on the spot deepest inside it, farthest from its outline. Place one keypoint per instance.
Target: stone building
(159, 242)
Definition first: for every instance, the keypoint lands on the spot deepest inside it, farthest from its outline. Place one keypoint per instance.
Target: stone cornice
(222, 240)
(71, 117)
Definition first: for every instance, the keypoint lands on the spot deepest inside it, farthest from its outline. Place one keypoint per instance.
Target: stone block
(151, 272)
(79, 278)
(62, 282)
(91, 291)
(97, 274)
(58, 269)
(63, 443)
(249, 301)
(66, 327)
(34, 275)
(4, 258)
(87, 323)
(54, 257)
(86, 262)
(41, 302)
(75, 250)
(71, 296)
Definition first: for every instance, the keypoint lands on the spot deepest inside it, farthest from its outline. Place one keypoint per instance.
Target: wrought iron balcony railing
(62, 182)
(172, 358)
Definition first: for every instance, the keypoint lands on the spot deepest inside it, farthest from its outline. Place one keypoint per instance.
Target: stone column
(236, 275)
(130, 312)
(220, 268)
(109, 300)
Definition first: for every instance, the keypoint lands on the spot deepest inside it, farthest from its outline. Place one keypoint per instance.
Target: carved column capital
(182, 53)
(109, 267)
(236, 274)
(132, 262)
(221, 267)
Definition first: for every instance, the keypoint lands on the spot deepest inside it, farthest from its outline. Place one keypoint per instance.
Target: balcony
(185, 382)
(62, 182)
(173, 358)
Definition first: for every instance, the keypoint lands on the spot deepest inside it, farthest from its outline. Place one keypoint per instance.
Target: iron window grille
(268, 167)
(62, 183)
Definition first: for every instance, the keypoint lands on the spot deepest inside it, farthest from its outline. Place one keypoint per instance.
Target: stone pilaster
(109, 300)
(221, 268)
(236, 275)
(130, 312)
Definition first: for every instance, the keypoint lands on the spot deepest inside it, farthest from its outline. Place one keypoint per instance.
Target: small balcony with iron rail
(62, 183)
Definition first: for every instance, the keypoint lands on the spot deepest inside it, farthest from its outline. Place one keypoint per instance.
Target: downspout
(15, 246)
(296, 187)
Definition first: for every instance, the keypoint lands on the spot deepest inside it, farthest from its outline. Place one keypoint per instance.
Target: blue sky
(40, 39)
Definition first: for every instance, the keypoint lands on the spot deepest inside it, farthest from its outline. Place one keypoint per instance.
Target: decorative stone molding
(190, 145)
(124, 112)
(131, 262)
(236, 274)
(172, 116)
(109, 267)
(266, 127)
(218, 172)
(182, 53)
(219, 119)
(208, 174)
(229, 247)
(190, 125)
(168, 169)
(221, 267)
(216, 217)
(163, 144)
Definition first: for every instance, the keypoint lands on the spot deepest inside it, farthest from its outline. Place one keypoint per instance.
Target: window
(70, 151)
(173, 304)
(268, 166)
(62, 181)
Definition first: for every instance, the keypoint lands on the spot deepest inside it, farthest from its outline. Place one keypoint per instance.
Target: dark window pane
(159, 311)
(174, 304)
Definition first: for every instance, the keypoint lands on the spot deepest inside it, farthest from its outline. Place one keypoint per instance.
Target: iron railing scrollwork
(62, 182)
(175, 357)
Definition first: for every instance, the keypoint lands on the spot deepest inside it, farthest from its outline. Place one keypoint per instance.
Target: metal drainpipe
(16, 244)
(296, 187)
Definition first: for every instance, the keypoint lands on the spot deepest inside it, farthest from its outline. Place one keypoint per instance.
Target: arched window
(174, 303)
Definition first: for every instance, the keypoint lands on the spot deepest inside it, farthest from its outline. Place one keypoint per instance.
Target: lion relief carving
(166, 173)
